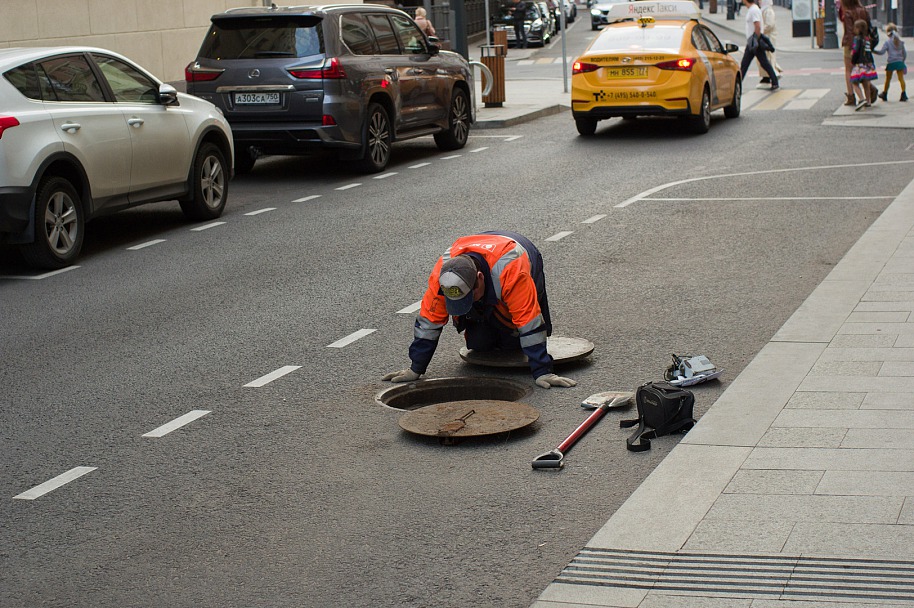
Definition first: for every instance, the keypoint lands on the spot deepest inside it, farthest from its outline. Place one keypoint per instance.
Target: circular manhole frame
(410, 396)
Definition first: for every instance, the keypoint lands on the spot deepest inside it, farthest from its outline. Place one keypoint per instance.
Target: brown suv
(354, 78)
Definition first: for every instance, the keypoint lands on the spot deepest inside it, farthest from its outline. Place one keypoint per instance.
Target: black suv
(350, 77)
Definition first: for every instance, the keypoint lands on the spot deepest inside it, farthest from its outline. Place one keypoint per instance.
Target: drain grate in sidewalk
(769, 576)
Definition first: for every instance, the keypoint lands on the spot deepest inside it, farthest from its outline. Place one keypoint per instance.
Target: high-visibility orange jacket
(512, 274)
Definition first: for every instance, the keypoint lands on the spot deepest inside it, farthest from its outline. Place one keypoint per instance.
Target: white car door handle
(135, 122)
(71, 127)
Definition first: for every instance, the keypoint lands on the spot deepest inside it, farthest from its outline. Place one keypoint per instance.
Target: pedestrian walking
(493, 287)
(755, 48)
(422, 21)
(770, 29)
(893, 47)
(849, 12)
(520, 17)
(863, 71)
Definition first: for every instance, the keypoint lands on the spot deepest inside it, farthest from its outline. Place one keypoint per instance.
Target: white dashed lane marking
(419, 166)
(356, 335)
(206, 227)
(38, 277)
(594, 219)
(479, 149)
(52, 484)
(259, 211)
(176, 423)
(451, 156)
(560, 235)
(348, 186)
(305, 199)
(264, 380)
(513, 137)
(146, 244)
(385, 175)
(415, 306)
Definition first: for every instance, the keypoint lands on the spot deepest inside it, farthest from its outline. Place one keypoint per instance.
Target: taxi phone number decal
(603, 95)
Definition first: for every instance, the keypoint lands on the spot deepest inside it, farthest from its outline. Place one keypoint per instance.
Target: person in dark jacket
(520, 16)
(492, 285)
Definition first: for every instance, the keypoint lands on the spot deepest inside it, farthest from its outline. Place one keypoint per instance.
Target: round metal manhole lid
(470, 418)
(563, 350)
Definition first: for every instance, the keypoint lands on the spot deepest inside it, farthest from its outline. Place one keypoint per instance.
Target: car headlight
(536, 24)
(595, 12)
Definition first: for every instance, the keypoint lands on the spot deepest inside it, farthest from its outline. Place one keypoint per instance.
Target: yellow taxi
(655, 58)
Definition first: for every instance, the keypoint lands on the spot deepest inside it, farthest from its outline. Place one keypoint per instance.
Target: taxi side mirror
(729, 47)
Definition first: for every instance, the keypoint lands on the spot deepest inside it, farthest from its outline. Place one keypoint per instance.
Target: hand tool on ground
(554, 459)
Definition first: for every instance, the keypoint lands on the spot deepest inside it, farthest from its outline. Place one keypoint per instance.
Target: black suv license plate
(242, 99)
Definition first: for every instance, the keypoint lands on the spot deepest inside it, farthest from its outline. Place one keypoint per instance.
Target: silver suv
(354, 78)
(84, 131)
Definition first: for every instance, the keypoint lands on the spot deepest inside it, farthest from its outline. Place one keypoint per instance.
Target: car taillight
(683, 64)
(7, 122)
(330, 69)
(194, 73)
(579, 67)
(328, 121)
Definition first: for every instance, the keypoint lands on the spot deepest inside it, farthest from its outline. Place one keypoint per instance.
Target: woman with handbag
(770, 29)
(849, 12)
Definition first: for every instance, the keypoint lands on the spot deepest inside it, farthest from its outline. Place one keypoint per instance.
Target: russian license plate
(256, 98)
(626, 72)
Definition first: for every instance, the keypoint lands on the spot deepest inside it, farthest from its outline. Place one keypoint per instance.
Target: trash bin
(493, 57)
(713, 7)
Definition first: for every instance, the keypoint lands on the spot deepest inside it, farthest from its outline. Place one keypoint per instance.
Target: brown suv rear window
(263, 37)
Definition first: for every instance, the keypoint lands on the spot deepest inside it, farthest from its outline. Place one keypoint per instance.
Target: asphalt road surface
(300, 489)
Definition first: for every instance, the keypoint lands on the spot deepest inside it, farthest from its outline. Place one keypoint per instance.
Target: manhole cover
(470, 418)
(563, 350)
(422, 393)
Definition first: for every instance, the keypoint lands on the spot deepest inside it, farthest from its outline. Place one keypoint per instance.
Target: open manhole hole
(422, 393)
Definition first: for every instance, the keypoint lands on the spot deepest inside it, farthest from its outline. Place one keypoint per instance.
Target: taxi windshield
(666, 38)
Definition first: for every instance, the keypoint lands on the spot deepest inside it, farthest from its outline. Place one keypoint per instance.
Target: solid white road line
(385, 175)
(654, 190)
(411, 308)
(305, 199)
(594, 219)
(176, 423)
(348, 186)
(259, 211)
(38, 277)
(146, 244)
(775, 198)
(53, 484)
(263, 380)
(206, 227)
(420, 165)
(560, 235)
(356, 335)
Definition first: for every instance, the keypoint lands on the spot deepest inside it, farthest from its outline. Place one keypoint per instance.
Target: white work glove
(550, 380)
(404, 375)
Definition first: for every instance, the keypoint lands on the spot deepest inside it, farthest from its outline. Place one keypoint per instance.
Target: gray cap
(457, 280)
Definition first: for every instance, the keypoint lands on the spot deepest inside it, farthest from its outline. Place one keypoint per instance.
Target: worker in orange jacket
(493, 286)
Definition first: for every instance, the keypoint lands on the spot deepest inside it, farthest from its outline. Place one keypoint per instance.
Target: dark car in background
(536, 24)
(351, 78)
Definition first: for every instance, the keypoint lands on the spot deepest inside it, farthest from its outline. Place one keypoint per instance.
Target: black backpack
(662, 407)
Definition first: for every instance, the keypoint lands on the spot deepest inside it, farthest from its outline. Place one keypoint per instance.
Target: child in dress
(864, 70)
(897, 55)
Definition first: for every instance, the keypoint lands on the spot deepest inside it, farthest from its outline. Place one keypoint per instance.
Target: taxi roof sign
(670, 9)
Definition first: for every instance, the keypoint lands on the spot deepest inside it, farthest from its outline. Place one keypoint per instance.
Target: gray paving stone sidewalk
(798, 483)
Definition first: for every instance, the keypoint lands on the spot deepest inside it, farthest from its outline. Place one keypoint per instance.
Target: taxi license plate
(256, 98)
(626, 72)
